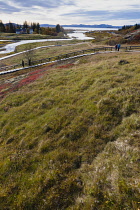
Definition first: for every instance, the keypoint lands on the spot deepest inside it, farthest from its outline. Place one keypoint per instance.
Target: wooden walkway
(63, 57)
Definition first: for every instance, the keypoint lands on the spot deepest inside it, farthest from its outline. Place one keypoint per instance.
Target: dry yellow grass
(70, 140)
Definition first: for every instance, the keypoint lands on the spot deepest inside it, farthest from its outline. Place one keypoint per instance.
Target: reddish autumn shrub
(137, 37)
(4, 86)
(65, 66)
(36, 72)
(28, 80)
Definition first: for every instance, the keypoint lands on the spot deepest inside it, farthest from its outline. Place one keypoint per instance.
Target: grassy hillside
(70, 135)
(129, 36)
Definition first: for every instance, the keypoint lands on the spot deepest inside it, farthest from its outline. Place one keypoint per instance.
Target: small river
(79, 34)
(11, 47)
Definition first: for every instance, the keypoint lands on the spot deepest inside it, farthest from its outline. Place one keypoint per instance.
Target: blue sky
(114, 12)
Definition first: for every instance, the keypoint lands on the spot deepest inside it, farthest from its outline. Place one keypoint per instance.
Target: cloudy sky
(114, 12)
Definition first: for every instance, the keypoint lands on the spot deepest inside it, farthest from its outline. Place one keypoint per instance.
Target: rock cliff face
(133, 37)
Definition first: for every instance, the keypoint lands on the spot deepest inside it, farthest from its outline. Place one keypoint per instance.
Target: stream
(79, 35)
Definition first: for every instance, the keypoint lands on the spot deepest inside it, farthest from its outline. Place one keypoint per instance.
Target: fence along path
(62, 57)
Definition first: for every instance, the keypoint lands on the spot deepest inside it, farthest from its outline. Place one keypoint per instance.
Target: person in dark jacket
(118, 46)
(22, 63)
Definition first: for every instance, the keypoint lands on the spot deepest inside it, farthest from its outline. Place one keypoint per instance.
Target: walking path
(9, 56)
(64, 59)
(11, 47)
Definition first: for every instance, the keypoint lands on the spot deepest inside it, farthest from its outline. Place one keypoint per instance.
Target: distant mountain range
(84, 26)
(78, 25)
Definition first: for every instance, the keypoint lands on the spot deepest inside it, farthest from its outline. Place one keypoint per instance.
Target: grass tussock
(70, 139)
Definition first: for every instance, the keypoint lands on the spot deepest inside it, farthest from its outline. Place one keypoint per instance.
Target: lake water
(90, 29)
(77, 34)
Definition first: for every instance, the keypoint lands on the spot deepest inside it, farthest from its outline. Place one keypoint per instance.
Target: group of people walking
(117, 47)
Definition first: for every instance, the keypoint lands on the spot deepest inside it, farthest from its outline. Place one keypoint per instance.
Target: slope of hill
(122, 36)
(131, 34)
(133, 37)
(70, 136)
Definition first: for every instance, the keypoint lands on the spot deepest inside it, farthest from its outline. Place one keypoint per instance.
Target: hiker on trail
(23, 63)
(118, 46)
(29, 62)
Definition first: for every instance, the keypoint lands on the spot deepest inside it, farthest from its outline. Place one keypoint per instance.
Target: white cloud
(107, 4)
(118, 12)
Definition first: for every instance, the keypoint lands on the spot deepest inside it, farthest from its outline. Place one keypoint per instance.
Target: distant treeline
(12, 28)
(126, 27)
